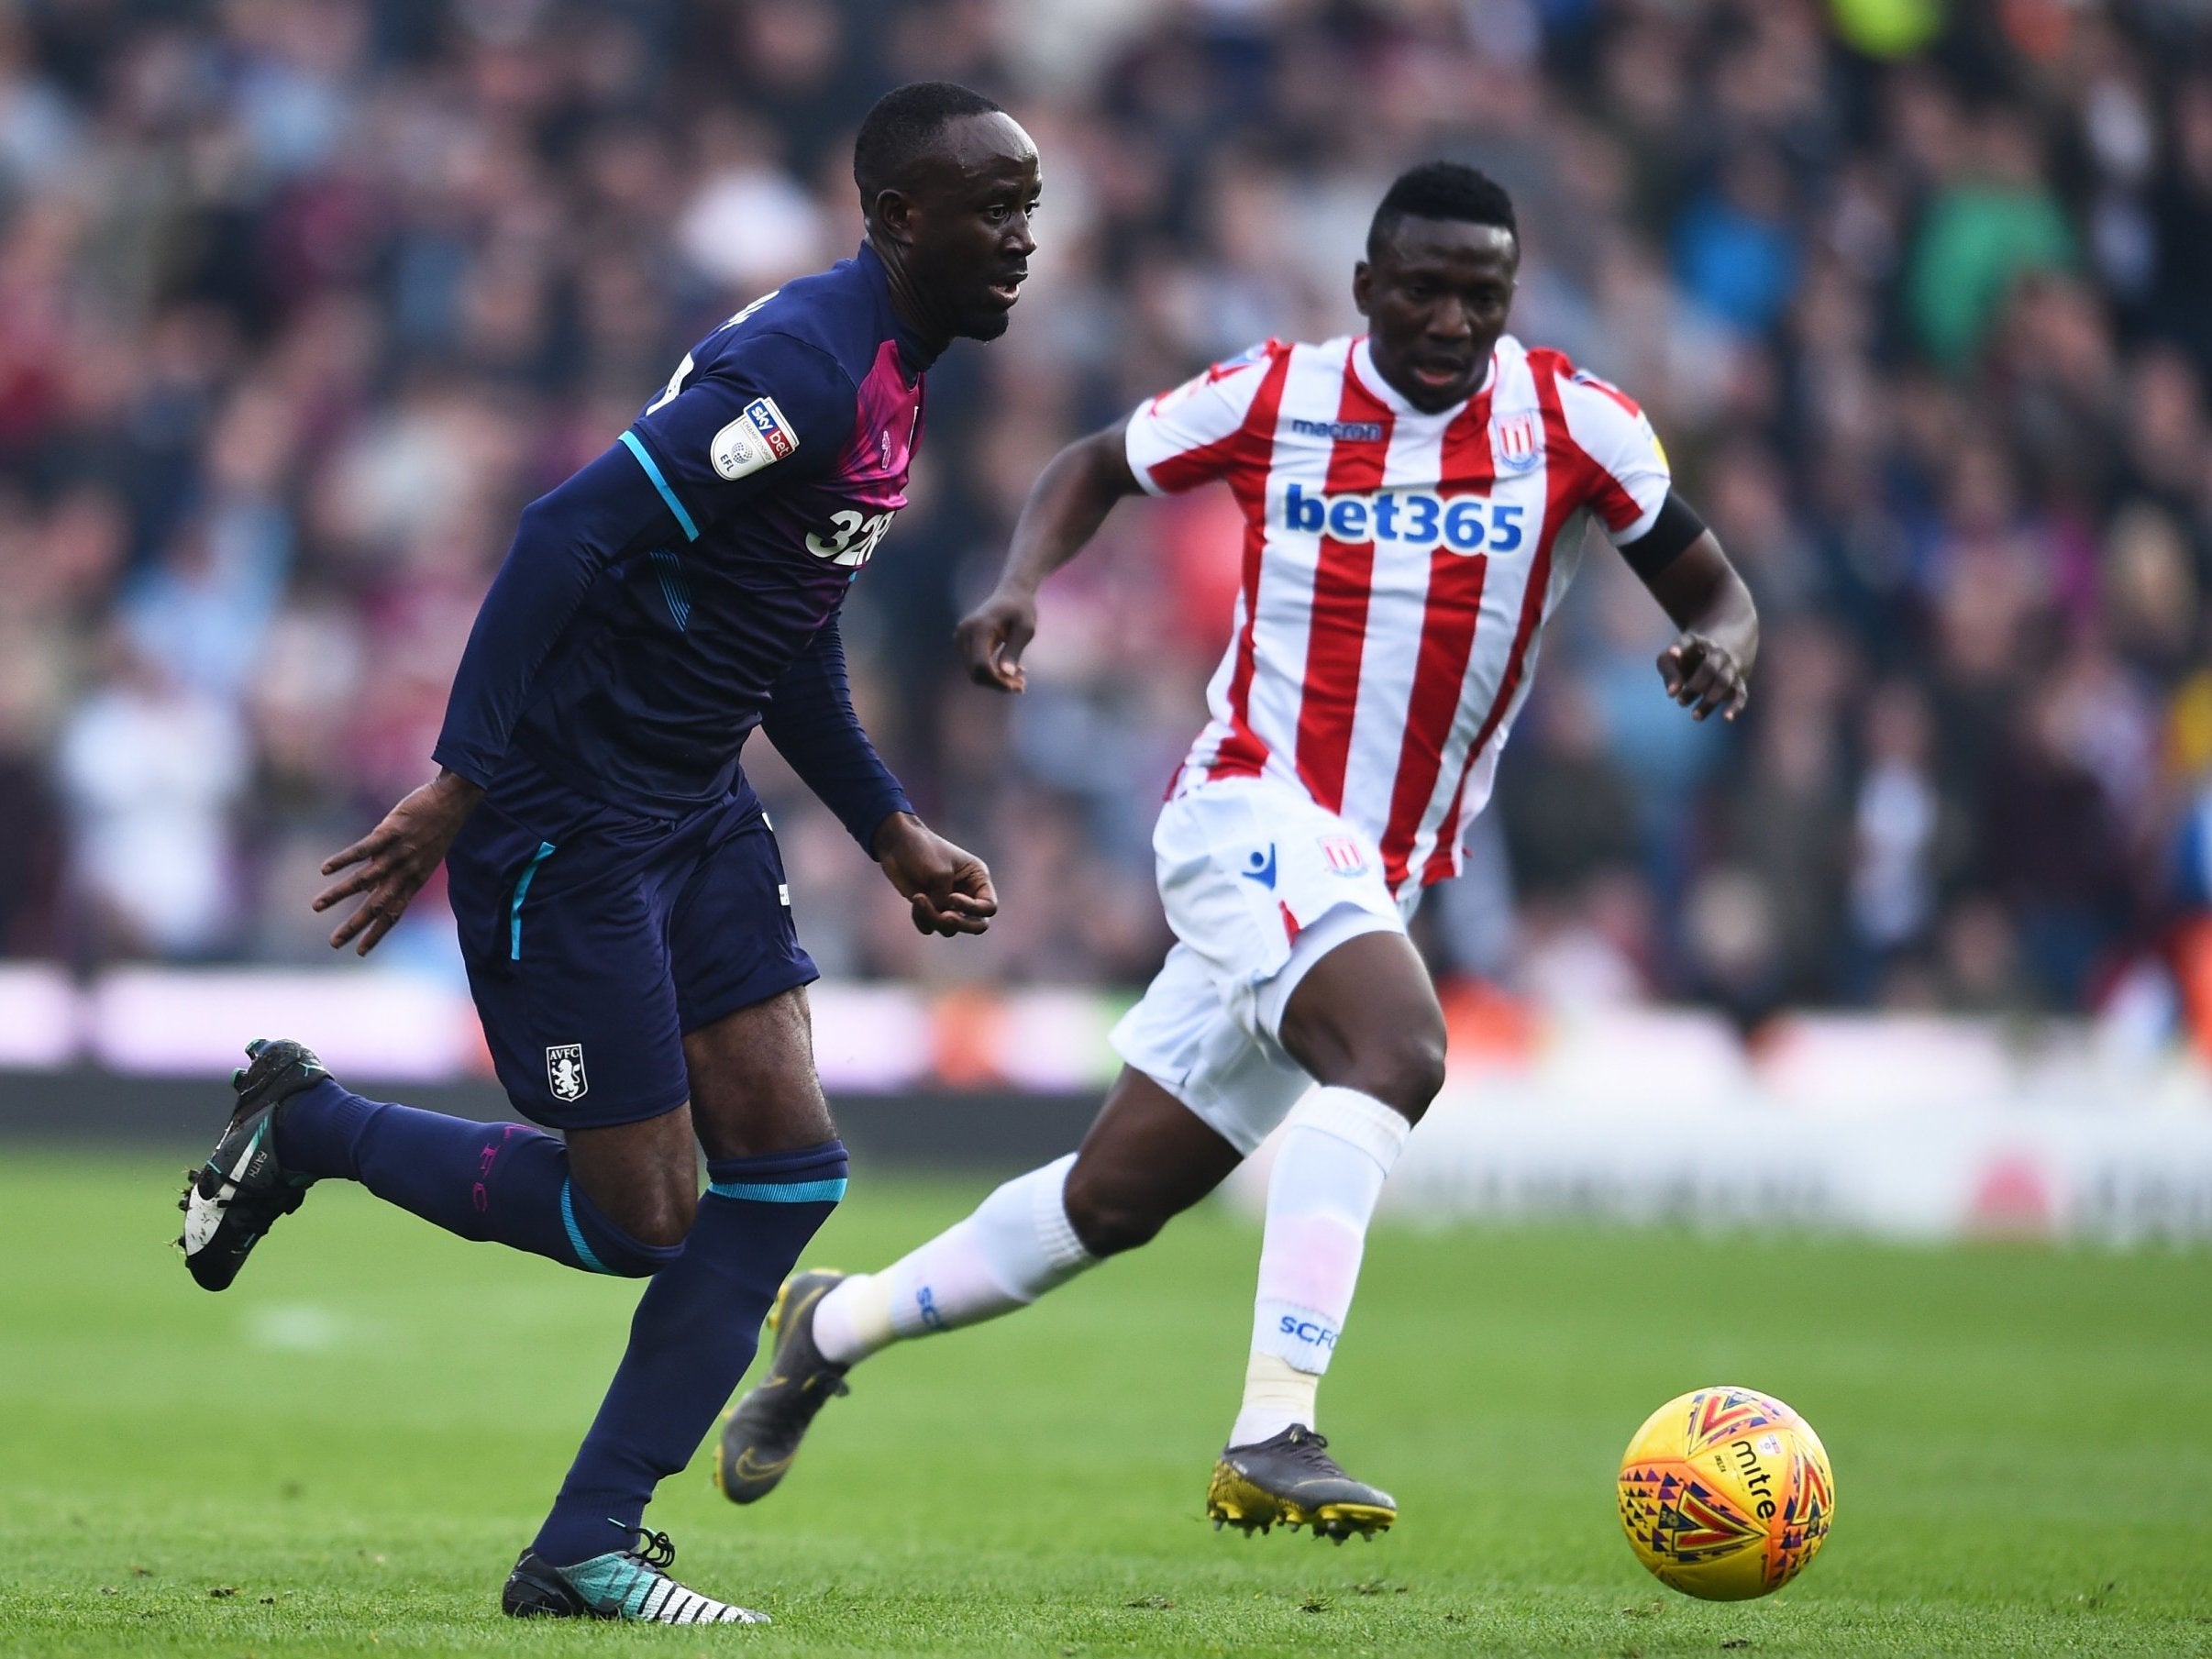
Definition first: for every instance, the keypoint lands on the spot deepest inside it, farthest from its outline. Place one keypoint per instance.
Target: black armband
(1676, 527)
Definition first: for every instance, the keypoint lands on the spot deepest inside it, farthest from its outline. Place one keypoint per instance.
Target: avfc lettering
(1413, 518)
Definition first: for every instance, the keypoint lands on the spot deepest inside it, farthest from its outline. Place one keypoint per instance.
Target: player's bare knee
(1108, 1221)
(1405, 1071)
(671, 1224)
(660, 1219)
(662, 1231)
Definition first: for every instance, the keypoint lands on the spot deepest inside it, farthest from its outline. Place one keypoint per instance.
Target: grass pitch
(342, 1454)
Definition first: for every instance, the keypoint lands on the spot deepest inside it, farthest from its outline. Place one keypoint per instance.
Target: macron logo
(1348, 432)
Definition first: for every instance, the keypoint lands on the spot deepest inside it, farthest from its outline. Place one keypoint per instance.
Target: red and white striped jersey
(1397, 569)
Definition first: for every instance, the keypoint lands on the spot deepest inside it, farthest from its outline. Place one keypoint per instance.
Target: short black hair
(1443, 190)
(900, 128)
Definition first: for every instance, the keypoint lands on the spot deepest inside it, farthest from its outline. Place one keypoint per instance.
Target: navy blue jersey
(684, 587)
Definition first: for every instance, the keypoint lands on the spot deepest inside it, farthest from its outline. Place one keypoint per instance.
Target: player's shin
(694, 1335)
(1017, 1245)
(505, 1183)
(1329, 1172)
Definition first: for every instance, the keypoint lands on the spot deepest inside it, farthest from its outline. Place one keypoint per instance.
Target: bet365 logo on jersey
(1414, 518)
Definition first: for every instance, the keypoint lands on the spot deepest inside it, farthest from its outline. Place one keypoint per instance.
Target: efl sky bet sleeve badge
(757, 438)
(564, 1072)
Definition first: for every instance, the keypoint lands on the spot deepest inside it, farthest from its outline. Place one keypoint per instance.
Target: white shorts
(1259, 884)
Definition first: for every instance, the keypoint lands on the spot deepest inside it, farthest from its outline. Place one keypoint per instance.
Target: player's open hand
(1703, 675)
(948, 887)
(991, 638)
(391, 863)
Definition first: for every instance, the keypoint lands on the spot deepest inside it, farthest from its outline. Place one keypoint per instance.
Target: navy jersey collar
(913, 353)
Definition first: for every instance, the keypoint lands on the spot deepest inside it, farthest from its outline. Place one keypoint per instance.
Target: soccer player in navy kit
(620, 901)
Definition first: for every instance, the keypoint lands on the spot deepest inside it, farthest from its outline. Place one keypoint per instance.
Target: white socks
(1018, 1245)
(1338, 1147)
(1329, 1172)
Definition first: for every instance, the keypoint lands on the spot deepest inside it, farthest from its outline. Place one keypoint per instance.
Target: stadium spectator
(303, 303)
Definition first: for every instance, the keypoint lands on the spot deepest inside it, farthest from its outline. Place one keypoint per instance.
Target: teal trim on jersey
(781, 1192)
(635, 446)
(668, 564)
(576, 1237)
(544, 851)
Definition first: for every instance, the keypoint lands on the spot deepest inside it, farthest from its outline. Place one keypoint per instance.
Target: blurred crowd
(299, 303)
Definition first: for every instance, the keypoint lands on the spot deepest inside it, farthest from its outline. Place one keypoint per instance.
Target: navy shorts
(595, 937)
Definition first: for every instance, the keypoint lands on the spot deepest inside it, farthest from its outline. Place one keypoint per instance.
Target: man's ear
(894, 215)
(1363, 286)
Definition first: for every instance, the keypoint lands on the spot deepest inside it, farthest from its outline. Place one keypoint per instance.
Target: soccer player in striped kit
(1415, 500)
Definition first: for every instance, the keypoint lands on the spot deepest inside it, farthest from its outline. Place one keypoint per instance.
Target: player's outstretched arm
(1072, 499)
(1708, 669)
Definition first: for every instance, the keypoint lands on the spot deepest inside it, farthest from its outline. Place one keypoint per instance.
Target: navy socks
(503, 1182)
(698, 1323)
(694, 1333)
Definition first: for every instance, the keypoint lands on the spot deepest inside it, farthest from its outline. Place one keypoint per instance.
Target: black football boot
(1291, 1479)
(238, 1195)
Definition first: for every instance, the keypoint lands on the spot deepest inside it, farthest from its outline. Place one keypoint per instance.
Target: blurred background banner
(300, 304)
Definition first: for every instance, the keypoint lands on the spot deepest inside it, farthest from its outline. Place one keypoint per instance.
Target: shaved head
(900, 135)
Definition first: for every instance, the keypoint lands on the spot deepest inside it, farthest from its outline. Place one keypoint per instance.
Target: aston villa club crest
(1516, 442)
(564, 1072)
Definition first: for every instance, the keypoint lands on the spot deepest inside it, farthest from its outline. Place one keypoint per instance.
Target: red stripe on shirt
(1581, 378)
(1224, 454)
(1561, 479)
(1448, 622)
(1242, 753)
(1614, 504)
(1343, 579)
(1563, 366)
(1604, 492)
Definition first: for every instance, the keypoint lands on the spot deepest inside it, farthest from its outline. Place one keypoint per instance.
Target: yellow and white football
(1726, 1494)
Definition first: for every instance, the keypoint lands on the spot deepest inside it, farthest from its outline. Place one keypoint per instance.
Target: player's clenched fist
(391, 863)
(948, 887)
(992, 636)
(1703, 675)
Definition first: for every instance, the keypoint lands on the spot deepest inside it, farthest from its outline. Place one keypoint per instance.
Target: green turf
(341, 1454)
